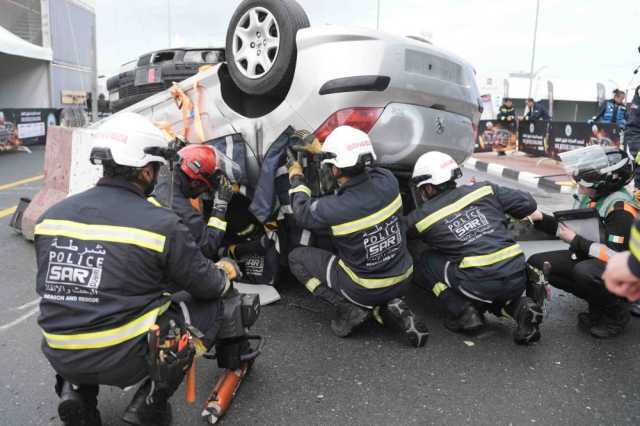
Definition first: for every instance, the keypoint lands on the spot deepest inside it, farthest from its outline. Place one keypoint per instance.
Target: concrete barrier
(67, 171)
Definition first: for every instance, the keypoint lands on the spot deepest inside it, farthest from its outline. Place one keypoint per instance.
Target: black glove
(223, 195)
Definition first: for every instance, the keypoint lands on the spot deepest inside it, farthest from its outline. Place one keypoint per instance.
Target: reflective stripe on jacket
(105, 258)
(364, 219)
(468, 224)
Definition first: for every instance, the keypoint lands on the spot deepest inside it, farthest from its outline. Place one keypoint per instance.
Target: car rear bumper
(404, 132)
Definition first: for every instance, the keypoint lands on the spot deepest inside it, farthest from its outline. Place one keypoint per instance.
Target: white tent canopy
(11, 44)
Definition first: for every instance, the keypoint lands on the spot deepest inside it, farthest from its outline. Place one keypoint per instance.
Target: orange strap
(184, 105)
(167, 129)
(197, 106)
(630, 209)
(196, 203)
(602, 255)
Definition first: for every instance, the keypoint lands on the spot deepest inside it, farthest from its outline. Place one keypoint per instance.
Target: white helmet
(436, 168)
(348, 146)
(128, 139)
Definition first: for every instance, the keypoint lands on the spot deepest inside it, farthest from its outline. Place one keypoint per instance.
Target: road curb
(526, 178)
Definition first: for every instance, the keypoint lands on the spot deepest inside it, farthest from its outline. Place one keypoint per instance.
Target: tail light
(360, 118)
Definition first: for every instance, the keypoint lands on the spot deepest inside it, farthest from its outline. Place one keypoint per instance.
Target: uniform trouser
(434, 272)
(310, 262)
(76, 366)
(582, 278)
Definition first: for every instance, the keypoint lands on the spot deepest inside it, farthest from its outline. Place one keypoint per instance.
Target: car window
(195, 56)
(203, 56)
(163, 57)
(144, 60)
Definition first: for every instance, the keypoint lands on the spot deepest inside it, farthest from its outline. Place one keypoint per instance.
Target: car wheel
(261, 45)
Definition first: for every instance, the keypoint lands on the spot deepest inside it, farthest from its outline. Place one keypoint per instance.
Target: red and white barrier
(67, 170)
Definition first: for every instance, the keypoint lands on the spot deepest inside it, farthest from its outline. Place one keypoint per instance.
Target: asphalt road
(308, 376)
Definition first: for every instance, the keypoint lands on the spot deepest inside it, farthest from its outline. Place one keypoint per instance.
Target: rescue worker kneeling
(473, 264)
(105, 259)
(372, 267)
(199, 172)
(601, 174)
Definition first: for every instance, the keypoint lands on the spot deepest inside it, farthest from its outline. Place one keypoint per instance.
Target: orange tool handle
(190, 386)
(228, 388)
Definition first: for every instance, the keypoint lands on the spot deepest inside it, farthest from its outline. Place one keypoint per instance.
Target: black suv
(155, 71)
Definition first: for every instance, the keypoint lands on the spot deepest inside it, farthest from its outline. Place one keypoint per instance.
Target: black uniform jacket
(364, 219)
(468, 224)
(105, 259)
(208, 234)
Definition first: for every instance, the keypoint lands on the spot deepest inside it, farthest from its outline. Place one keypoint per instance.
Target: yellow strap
(106, 338)
(300, 188)
(154, 201)
(491, 258)
(312, 284)
(634, 243)
(220, 224)
(89, 232)
(368, 221)
(452, 208)
(438, 288)
(373, 283)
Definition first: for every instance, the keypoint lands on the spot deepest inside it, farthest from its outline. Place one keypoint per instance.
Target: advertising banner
(29, 126)
(533, 138)
(567, 135)
(493, 136)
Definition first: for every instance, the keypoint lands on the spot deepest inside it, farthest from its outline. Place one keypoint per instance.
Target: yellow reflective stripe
(312, 284)
(377, 316)
(368, 221)
(373, 283)
(463, 202)
(217, 223)
(300, 188)
(154, 201)
(634, 242)
(438, 288)
(114, 234)
(491, 258)
(111, 337)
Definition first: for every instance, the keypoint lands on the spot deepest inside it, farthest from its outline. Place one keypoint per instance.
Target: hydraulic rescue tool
(233, 351)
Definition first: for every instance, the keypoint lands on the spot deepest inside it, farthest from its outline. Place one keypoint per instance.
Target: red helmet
(199, 163)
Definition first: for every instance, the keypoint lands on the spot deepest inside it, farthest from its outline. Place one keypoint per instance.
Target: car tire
(262, 65)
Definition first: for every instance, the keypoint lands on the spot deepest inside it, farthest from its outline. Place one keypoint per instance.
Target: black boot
(76, 409)
(397, 312)
(528, 317)
(346, 315)
(591, 318)
(139, 412)
(614, 321)
(468, 321)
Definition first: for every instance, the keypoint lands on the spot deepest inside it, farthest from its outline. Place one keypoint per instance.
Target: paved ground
(308, 376)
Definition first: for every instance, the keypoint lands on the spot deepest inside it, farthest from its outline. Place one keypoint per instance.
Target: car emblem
(439, 126)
